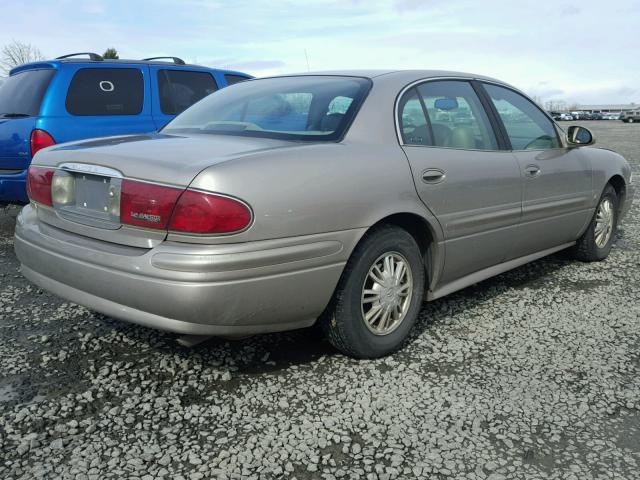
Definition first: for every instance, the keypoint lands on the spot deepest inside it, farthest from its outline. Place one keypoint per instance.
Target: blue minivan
(49, 102)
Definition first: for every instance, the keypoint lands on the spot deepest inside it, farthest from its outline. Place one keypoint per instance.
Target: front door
(557, 195)
(472, 187)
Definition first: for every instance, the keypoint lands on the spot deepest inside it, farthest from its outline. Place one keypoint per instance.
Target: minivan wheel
(595, 244)
(379, 295)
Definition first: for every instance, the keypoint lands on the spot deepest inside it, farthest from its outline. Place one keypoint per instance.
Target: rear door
(557, 192)
(99, 100)
(177, 89)
(469, 183)
(20, 98)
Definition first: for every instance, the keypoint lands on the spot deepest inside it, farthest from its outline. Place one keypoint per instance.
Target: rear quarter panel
(316, 189)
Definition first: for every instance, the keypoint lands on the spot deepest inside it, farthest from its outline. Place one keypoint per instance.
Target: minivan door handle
(532, 170)
(433, 175)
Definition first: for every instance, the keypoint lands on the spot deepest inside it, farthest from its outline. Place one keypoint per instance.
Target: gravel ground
(533, 374)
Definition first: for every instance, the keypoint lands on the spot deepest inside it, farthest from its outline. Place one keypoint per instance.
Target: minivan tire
(344, 321)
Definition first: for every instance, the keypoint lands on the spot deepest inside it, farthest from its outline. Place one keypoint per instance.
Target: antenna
(307, 58)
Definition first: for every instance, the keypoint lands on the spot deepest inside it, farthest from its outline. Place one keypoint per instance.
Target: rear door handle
(433, 175)
(532, 170)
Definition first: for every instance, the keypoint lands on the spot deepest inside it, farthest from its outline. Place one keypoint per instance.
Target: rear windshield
(106, 91)
(290, 108)
(21, 94)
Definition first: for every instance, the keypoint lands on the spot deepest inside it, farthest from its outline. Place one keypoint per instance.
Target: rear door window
(413, 121)
(179, 89)
(445, 113)
(106, 91)
(233, 79)
(21, 94)
(527, 127)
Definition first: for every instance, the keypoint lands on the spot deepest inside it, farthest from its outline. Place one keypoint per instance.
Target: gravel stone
(530, 375)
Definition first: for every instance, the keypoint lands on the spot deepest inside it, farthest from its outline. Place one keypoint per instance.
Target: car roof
(417, 73)
(402, 76)
(56, 63)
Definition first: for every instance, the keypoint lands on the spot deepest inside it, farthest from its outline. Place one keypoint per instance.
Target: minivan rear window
(21, 94)
(233, 79)
(179, 89)
(106, 91)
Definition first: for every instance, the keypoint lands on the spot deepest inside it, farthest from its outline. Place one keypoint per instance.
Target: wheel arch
(620, 186)
(426, 236)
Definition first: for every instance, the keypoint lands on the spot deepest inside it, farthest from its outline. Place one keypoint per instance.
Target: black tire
(343, 321)
(586, 248)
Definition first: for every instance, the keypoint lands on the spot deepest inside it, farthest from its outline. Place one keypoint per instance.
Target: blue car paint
(15, 133)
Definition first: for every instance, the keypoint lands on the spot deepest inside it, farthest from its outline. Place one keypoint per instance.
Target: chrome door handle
(433, 175)
(532, 170)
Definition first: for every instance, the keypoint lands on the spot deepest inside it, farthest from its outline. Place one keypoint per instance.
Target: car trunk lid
(92, 174)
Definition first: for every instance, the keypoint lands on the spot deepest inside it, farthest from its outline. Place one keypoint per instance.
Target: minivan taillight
(39, 185)
(40, 139)
(208, 213)
(147, 204)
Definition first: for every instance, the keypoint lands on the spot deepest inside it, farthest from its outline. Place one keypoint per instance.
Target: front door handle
(433, 175)
(532, 170)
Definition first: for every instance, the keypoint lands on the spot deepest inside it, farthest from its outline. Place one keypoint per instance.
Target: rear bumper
(13, 188)
(231, 289)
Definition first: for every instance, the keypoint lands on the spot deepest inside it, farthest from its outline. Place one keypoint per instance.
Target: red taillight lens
(39, 140)
(199, 212)
(147, 205)
(39, 185)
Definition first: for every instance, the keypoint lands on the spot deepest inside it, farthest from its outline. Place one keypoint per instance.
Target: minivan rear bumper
(226, 289)
(13, 187)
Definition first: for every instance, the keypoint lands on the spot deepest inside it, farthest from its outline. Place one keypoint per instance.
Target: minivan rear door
(99, 100)
(20, 99)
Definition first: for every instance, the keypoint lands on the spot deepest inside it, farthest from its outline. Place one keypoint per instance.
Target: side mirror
(579, 136)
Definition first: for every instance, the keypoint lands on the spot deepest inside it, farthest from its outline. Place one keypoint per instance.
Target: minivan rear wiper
(14, 115)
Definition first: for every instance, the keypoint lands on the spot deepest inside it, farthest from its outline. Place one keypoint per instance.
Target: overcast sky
(584, 51)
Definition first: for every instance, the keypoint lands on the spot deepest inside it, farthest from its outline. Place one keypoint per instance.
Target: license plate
(87, 198)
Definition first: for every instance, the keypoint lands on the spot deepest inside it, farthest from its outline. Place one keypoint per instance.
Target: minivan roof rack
(92, 56)
(176, 60)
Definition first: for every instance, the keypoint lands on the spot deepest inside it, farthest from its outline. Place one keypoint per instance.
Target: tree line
(18, 53)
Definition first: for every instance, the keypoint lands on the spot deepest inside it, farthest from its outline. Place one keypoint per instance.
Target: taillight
(147, 205)
(185, 211)
(39, 185)
(39, 140)
(199, 212)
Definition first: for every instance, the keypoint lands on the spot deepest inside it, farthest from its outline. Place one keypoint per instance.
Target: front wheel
(595, 244)
(379, 295)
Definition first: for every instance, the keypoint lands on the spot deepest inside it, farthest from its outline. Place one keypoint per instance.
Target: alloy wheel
(386, 293)
(604, 223)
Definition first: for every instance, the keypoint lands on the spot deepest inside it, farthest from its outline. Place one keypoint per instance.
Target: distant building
(614, 108)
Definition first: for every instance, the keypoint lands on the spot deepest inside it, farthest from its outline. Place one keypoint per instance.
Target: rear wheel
(379, 295)
(595, 244)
